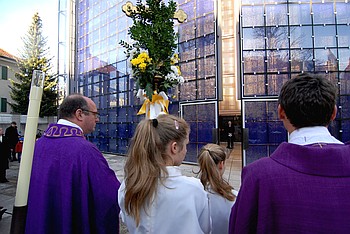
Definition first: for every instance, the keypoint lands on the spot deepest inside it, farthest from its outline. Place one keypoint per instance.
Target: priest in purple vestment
(72, 189)
(304, 186)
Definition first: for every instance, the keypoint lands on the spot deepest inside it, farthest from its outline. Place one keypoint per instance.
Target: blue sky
(16, 17)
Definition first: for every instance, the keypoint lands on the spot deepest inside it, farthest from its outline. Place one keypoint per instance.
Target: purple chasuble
(298, 189)
(72, 189)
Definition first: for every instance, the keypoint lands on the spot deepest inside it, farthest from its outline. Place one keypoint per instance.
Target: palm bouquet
(152, 53)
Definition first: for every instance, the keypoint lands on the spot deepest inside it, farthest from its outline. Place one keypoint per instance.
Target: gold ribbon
(156, 99)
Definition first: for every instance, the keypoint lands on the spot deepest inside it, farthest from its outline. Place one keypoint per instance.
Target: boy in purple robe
(304, 186)
(72, 189)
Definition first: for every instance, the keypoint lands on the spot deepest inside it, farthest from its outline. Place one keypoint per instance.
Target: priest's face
(90, 118)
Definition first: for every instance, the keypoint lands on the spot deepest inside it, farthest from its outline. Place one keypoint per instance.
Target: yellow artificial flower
(142, 66)
(135, 61)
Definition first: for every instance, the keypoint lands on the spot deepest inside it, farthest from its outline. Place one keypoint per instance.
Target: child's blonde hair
(147, 157)
(209, 157)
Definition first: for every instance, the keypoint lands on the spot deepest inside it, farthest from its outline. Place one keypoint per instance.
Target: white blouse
(181, 206)
(220, 211)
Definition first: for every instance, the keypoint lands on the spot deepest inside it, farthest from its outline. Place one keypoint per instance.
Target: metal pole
(21, 201)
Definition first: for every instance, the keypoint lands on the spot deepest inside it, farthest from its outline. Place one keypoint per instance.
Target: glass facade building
(280, 39)
(102, 72)
(265, 42)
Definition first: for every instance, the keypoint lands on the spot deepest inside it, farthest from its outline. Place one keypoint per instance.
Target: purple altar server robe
(298, 189)
(72, 189)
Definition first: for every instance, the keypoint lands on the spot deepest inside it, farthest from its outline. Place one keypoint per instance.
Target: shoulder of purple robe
(59, 130)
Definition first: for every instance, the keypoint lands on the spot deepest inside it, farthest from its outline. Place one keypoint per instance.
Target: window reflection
(325, 36)
(299, 14)
(323, 13)
(253, 16)
(253, 61)
(277, 61)
(343, 9)
(343, 35)
(251, 40)
(301, 60)
(301, 37)
(276, 15)
(254, 85)
(326, 60)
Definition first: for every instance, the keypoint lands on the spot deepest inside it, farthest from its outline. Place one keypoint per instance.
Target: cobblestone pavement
(8, 190)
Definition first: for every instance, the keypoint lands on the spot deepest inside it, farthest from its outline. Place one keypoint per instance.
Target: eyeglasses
(93, 112)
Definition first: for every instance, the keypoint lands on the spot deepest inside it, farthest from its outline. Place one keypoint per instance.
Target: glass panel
(277, 60)
(206, 89)
(277, 132)
(252, 16)
(326, 60)
(345, 105)
(205, 131)
(345, 127)
(327, 15)
(276, 14)
(325, 36)
(343, 35)
(343, 9)
(188, 70)
(188, 91)
(345, 84)
(253, 61)
(344, 59)
(204, 7)
(277, 37)
(301, 37)
(275, 83)
(187, 50)
(253, 38)
(190, 9)
(299, 14)
(301, 60)
(254, 153)
(123, 85)
(205, 45)
(122, 99)
(187, 30)
(254, 85)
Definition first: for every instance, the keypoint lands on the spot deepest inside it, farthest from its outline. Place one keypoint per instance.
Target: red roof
(6, 54)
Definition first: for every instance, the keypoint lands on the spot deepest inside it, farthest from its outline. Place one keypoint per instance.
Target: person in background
(18, 148)
(230, 135)
(11, 134)
(155, 197)
(304, 186)
(4, 160)
(72, 189)
(211, 160)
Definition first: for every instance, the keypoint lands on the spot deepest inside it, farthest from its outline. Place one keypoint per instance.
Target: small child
(155, 197)
(211, 161)
(18, 149)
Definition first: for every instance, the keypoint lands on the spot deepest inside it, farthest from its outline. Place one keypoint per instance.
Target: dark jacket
(4, 151)
(12, 136)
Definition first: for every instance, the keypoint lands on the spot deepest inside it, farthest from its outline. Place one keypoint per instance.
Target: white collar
(312, 135)
(68, 123)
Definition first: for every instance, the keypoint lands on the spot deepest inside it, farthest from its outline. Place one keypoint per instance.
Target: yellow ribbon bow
(156, 99)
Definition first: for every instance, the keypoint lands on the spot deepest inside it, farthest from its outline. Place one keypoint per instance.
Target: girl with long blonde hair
(155, 197)
(211, 161)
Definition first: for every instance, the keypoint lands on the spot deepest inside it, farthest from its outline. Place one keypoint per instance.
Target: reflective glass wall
(280, 39)
(104, 75)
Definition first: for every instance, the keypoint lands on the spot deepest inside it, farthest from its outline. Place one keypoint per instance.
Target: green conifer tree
(34, 57)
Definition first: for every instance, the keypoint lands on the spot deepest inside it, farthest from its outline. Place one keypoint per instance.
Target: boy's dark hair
(308, 100)
(70, 104)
